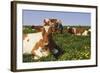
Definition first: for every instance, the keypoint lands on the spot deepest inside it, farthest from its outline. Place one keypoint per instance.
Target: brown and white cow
(77, 31)
(39, 44)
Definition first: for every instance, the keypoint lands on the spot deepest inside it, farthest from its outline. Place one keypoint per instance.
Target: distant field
(74, 47)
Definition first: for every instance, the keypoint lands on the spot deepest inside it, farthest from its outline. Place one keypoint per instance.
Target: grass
(74, 47)
(28, 29)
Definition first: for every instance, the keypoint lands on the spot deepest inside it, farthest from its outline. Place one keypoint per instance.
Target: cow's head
(50, 22)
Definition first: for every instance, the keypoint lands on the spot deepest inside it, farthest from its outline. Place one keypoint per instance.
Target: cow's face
(47, 35)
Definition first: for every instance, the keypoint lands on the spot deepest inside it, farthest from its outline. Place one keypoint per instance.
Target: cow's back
(30, 41)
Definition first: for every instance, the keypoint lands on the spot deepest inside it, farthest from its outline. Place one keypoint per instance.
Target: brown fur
(78, 30)
(47, 36)
(40, 44)
(53, 23)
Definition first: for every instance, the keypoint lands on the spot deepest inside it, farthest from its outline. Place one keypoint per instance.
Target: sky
(36, 17)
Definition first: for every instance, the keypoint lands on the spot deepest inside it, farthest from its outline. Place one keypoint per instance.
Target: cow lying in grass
(40, 44)
(78, 31)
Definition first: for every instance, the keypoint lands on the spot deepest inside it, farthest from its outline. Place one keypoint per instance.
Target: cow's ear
(43, 31)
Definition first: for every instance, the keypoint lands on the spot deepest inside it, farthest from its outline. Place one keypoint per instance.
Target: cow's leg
(35, 57)
(34, 48)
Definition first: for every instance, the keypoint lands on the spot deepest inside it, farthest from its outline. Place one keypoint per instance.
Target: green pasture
(74, 47)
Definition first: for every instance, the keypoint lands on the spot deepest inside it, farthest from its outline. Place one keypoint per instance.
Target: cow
(40, 44)
(77, 31)
(55, 24)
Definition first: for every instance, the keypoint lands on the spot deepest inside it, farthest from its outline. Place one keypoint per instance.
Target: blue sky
(30, 17)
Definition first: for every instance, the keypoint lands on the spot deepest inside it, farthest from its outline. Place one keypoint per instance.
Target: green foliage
(75, 47)
(30, 58)
(28, 29)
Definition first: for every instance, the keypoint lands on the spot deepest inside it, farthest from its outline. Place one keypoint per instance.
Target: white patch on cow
(30, 41)
(40, 53)
(46, 20)
(74, 29)
(46, 28)
(85, 33)
(45, 53)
